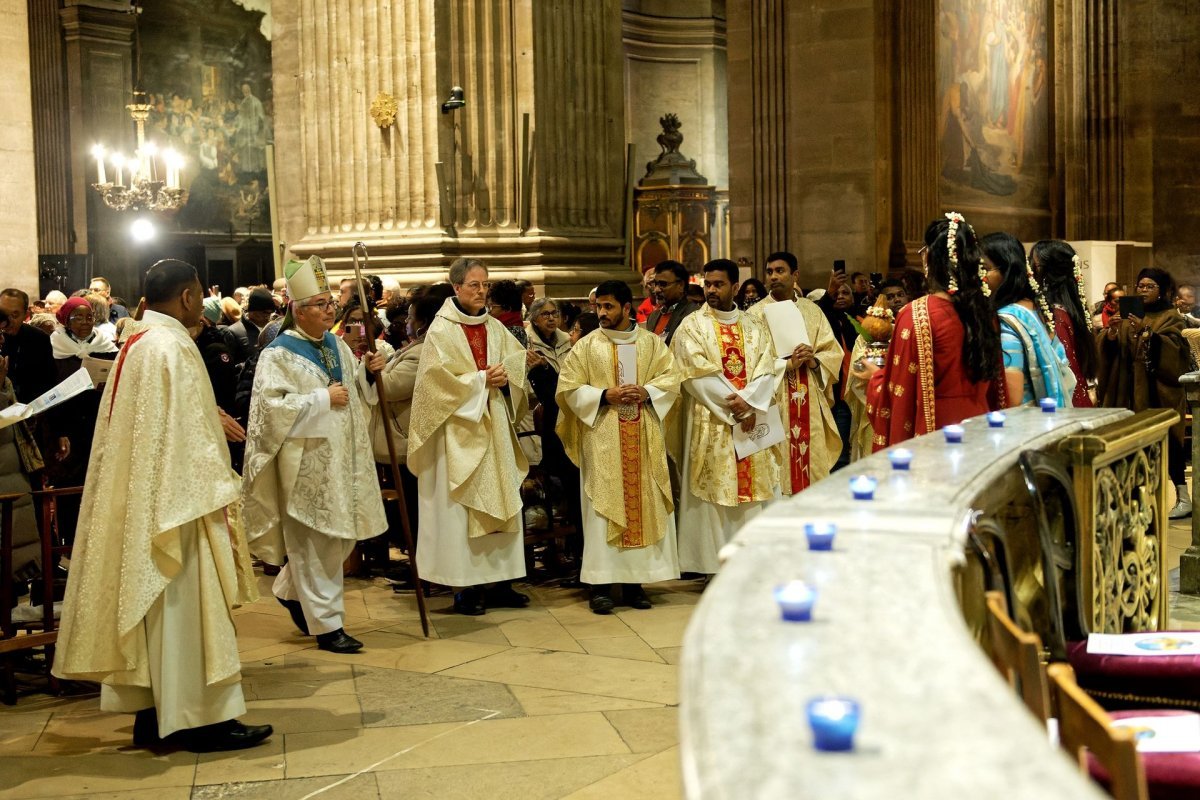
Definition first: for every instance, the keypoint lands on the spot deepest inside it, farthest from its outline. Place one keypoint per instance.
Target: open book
(79, 381)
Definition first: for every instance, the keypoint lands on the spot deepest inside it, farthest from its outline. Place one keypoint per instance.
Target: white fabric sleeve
(366, 388)
(711, 391)
(314, 420)
(760, 392)
(474, 407)
(662, 401)
(585, 404)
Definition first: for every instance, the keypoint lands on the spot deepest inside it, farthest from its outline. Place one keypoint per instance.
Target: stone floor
(550, 701)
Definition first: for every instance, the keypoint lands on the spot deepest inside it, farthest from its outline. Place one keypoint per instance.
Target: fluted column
(915, 128)
(18, 227)
(51, 128)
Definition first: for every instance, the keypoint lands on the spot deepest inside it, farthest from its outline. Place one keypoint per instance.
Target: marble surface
(937, 720)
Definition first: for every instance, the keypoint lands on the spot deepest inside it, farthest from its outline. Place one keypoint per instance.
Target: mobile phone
(356, 328)
(1132, 306)
(839, 266)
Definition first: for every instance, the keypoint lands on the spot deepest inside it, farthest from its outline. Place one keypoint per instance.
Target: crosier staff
(369, 321)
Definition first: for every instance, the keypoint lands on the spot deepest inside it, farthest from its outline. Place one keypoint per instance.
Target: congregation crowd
(256, 426)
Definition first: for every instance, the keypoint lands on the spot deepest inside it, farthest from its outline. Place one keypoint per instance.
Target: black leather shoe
(469, 602)
(294, 608)
(227, 735)
(145, 728)
(338, 642)
(505, 596)
(601, 602)
(635, 596)
(572, 582)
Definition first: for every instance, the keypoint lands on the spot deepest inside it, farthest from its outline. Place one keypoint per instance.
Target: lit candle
(996, 419)
(954, 434)
(834, 721)
(863, 487)
(118, 161)
(795, 599)
(1049, 405)
(820, 535)
(98, 154)
(151, 150)
(901, 458)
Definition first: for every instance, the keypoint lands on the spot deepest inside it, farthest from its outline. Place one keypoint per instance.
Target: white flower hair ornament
(1047, 314)
(957, 219)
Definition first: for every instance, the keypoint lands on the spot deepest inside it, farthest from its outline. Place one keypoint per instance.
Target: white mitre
(306, 279)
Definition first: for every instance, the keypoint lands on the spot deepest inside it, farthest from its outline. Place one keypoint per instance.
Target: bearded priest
(730, 374)
(159, 557)
(471, 386)
(309, 481)
(805, 395)
(616, 387)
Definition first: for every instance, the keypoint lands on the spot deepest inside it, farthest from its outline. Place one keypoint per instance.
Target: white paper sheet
(98, 369)
(1173, 733)
(627, 364)
(767, 432)
(79, 381)
(1161, 643)
(786, 324)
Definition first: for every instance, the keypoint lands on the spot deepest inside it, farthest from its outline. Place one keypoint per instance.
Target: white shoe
(1183, 503)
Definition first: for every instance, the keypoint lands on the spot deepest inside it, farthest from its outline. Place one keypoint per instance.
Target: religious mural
(994, 125)
(206, 67)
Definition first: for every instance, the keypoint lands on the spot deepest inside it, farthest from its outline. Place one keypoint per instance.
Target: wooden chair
(551, 534)
(1084, 727)
(15, 636)
(1018, 657)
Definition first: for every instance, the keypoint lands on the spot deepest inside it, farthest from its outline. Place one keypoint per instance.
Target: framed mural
(206, 67)
(994, 79)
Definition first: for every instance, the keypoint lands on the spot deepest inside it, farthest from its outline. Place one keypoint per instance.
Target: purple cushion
(1169, 776)
(1156, 679)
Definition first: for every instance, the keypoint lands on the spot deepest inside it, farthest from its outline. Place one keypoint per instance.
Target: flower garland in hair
(1047, 314)
(957, 219)
(1077, 264)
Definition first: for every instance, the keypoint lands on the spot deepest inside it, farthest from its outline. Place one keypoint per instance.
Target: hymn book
(787, 327)
(79, 381)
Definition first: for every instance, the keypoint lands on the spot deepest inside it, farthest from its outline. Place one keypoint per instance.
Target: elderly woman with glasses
(1141, 358)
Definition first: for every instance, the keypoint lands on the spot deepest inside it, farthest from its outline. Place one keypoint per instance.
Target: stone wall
(18, 214)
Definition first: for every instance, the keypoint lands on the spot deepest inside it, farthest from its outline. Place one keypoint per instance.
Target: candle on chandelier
(118, 161)
(98, 154)
(151, 170)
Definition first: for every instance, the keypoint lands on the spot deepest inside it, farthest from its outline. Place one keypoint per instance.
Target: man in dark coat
(670, 287)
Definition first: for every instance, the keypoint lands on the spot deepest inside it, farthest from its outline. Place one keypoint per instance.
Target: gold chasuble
(484, 465)
(805, 399)
(159, 463)
(719, 352)
(620, 450)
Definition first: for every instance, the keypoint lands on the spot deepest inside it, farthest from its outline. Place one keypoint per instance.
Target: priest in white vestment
(471, 386)
(616, 388)
(805, 395)
(159, 556)
(309, 482)
(729, 374)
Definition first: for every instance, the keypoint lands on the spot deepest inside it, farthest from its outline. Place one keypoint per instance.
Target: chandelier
(153, 176)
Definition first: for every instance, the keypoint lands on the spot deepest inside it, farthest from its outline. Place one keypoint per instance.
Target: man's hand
(64, 448)
(534, 359)
(836, 281)
(3, 365)
(802, 356)
(214, 291)
(626, 395)
(376, 362)
(339, 395)
(748, 423)
(738, 406)
(497, 376)
(234, 432)
(863, 369)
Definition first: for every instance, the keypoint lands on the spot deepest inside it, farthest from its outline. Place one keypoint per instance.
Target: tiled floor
(550, 701)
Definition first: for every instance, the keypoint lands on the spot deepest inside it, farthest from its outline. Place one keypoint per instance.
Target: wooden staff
(369, 320)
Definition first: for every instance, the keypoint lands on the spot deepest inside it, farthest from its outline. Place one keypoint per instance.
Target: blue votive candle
(820, 535)
(901, 458)
(834, 721)
(1049, 405)
(953, 433)
(795, 599)
(863, 487)
(996, 419)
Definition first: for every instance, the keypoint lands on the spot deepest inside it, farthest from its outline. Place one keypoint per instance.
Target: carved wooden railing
(1120, 480)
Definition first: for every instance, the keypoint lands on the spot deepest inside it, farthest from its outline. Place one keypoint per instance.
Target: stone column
(99, 68)
(18, 221)
(51, 129)
(914, 129)
(341, 178)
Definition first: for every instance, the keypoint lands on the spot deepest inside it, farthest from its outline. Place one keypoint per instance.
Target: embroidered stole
(323, 354)
(732, 345)
(477, 341)
(629, 427)
(112, 399)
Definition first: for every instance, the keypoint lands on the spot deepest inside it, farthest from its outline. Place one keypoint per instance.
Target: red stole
(732, 345)
(477, 341)
(112, 399)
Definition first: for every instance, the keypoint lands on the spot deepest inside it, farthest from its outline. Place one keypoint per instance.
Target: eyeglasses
(324, 305)
(548, 314)
(475, 286)
(81, 318)
(1147, 285)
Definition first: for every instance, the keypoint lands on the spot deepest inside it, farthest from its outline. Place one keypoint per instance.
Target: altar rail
(888, 629)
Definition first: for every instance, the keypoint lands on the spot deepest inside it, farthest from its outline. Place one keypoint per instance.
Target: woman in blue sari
(1035, 363)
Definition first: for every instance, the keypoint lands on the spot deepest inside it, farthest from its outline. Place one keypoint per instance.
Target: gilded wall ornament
(383, 110)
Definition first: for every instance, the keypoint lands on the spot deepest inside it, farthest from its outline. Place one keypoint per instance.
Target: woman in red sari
(945, 350)
(1059, 271)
